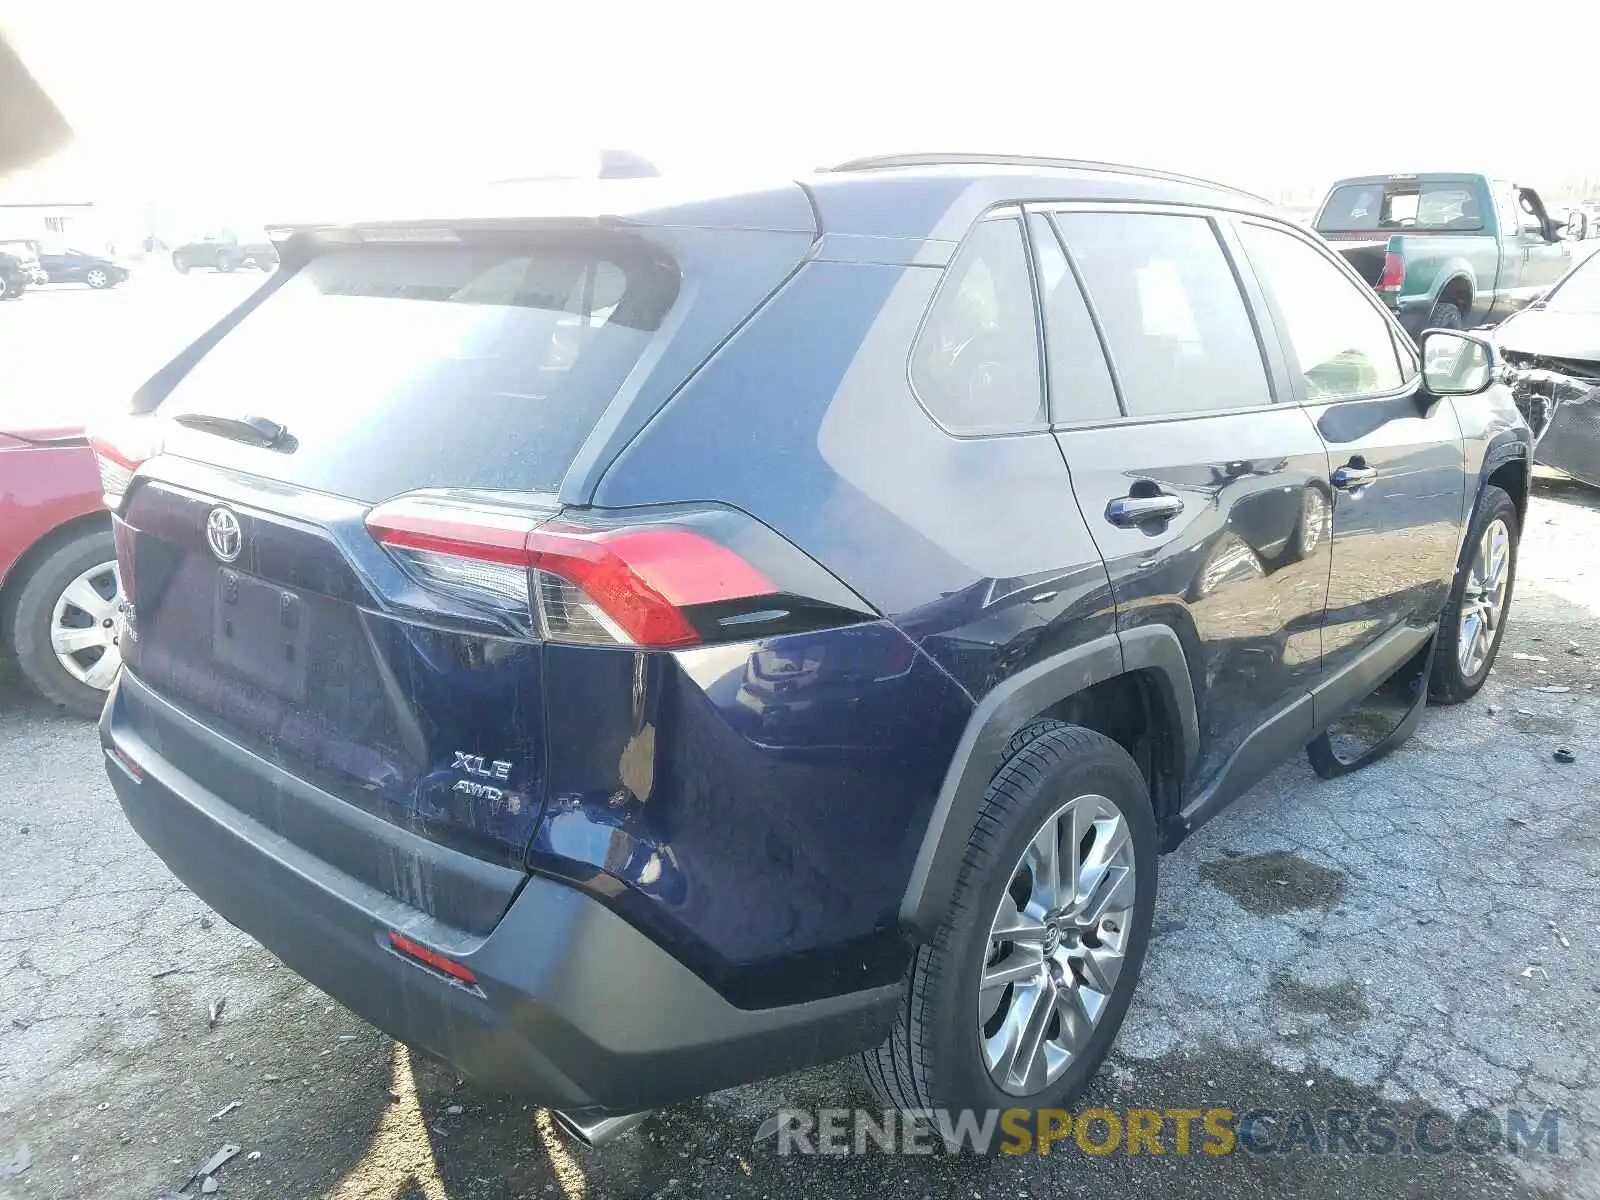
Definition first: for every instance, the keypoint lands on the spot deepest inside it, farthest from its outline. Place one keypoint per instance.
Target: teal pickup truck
(1451, 251)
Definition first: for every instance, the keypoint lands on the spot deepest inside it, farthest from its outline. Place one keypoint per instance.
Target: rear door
(1398, 466)
(1207, 498)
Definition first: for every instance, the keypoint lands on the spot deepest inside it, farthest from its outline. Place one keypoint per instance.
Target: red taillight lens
(432, 958)
(121, 447)
(610, 582)
(1394, 273)
(639, 580)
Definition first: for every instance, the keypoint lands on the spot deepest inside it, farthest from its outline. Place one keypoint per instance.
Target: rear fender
(1451, 272)
(1009, 706)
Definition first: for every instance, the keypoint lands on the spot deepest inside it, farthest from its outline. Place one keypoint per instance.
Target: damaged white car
(1553, 348)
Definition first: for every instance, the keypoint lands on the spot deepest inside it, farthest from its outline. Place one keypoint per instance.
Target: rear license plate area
(260, 632)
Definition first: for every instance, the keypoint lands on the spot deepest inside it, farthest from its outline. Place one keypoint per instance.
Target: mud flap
(1335, 752)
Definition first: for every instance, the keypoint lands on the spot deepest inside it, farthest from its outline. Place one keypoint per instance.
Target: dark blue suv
(632, 638)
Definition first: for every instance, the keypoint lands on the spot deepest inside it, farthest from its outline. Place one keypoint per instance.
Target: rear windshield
(1401, 204)
(483, 364)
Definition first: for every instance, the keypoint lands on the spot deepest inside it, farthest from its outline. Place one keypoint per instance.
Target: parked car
(225, 252)
(79, 266)
(630, 640)
(1450, 251)
(58, 579)
(1554, 348)
(18, 269)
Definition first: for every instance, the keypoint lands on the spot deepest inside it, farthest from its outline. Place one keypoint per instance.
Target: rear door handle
(1349, 478)
(1136, 510)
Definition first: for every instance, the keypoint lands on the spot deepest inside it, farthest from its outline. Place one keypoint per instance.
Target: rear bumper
(575, 1007)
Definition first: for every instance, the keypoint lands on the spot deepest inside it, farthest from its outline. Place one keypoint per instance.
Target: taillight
(121, 446)
(1394, 273)
(658, 579)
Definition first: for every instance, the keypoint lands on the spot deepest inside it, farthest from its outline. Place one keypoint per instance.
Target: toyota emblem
(223, 534)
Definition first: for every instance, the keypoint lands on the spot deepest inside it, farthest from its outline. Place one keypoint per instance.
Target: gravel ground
(1421, 933)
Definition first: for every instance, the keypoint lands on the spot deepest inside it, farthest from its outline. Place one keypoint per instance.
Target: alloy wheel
(96, 278)
(83, 627)
(1483, 600)
(1056, 946)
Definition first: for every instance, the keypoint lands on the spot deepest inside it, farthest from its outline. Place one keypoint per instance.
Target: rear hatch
(293, 554)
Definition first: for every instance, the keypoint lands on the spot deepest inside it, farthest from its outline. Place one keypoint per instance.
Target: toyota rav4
(632, 638)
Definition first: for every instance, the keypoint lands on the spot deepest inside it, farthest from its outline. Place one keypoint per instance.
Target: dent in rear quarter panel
(974, 548)
(752, 807)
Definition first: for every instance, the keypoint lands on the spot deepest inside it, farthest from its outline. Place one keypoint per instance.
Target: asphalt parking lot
(1420, 934)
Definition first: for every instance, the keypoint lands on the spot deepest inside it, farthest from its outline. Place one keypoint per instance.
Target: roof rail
(876, 162)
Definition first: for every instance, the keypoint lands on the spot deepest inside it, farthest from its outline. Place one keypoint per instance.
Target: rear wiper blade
(253, 431)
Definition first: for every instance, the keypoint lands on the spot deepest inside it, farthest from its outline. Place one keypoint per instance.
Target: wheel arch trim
(1007, 707)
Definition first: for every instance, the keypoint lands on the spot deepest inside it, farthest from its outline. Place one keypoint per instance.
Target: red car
(58, 569)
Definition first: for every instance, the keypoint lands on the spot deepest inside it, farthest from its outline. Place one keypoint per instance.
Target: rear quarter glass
(481, 365)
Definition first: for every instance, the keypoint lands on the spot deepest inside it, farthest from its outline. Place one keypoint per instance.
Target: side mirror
(1576, 229)
(1456, 363)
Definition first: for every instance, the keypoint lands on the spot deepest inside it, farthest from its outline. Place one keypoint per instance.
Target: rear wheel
(225, 264)
(1474, 620)
(180, 264)
(1015, 1001)
(63, 629)
(1446, 315)
(97, 279)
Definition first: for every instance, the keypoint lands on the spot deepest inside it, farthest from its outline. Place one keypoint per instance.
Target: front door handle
(1136, 510)
(1350, 477)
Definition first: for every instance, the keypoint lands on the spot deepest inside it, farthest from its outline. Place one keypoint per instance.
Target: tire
(98, 279)
(180, 264)
(1446, 316)
(1457, 677)
(34, 617)
(225, 264)
(934, 1057)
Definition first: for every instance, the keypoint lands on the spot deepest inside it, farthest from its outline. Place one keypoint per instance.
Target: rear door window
(975, 365)
(1175, 321)
(484, 364)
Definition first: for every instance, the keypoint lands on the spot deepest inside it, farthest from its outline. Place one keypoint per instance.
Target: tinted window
(976, 363)
(1343, 344)
(1080, 384)
(1180, 336)
(402, 367)
(1401, 204)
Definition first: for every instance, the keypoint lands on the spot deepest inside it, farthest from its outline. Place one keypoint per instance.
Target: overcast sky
(233, 98)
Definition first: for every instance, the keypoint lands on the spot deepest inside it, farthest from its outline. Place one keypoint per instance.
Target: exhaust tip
(595, 1127)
